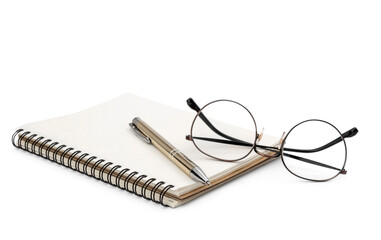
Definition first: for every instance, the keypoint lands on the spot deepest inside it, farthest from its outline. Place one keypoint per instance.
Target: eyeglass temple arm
(350, 133)
(193, 105)
(342, 171)
(273, 149)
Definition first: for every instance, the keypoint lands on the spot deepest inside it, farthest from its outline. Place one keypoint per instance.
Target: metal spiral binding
(51, 149)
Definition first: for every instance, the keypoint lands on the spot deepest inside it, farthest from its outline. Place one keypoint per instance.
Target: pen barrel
(171, 152)
(178, 158)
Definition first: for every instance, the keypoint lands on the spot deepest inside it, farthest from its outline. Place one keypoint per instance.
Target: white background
(287, 61)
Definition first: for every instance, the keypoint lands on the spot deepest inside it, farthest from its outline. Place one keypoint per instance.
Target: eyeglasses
(314, 149)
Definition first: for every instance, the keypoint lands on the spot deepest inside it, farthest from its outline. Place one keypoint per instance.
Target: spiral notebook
(98, 142)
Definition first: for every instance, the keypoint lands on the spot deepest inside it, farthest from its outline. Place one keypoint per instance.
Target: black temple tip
(192, 104)
(352, 132)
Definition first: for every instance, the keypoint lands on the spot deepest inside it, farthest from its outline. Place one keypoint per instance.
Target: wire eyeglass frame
(276, 151)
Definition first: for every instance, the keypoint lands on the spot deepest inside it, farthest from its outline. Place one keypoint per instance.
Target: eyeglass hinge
(343, 171)
(188, 137)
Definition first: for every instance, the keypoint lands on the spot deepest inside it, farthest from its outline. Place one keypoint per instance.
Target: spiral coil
(49, 149)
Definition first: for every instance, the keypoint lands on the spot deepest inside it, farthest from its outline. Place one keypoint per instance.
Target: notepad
(98, 142)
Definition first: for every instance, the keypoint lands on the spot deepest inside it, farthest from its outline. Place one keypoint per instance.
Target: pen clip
(139, 133)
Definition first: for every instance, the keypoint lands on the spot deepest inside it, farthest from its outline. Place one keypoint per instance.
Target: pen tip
(207, 183)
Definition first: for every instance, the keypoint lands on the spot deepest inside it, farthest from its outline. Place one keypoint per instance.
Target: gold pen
(145, 132)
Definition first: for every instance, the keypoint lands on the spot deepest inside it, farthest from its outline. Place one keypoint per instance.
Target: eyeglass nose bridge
(276, 146)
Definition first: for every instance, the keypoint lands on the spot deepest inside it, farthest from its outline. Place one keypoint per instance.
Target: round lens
(224, 130)
(314, 150)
